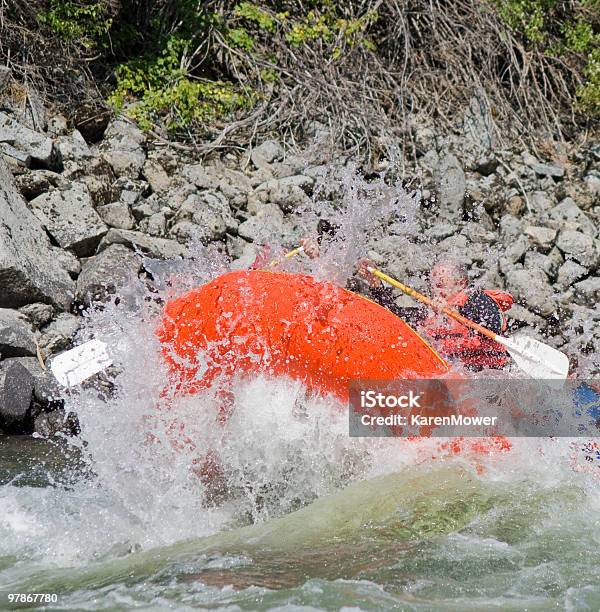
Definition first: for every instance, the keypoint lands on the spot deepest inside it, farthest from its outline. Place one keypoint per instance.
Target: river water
(519, 533)
(118, 518)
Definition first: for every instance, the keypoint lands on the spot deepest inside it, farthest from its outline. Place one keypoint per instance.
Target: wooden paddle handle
(423, 298)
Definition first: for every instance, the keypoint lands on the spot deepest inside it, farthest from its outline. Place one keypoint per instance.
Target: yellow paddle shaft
(423, 298)
(295, 251)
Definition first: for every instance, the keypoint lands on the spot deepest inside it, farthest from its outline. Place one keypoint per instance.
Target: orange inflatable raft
(282, 324)
(279, 324)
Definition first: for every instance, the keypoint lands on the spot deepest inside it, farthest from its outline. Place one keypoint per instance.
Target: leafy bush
(561, 29)
(87, 24)
(160, 88)
(359, 71)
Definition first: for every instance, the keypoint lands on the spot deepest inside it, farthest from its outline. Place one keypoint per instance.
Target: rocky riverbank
(76, 217)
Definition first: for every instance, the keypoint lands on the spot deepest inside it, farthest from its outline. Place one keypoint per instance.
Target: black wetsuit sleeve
(384, 296)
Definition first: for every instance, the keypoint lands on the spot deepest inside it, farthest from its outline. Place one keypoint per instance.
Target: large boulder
(161, 248)
(451, 186)
(107, 273)
(28, 270)
(532, 289)
(16, 337)
(587, 292)
(542, 237)
(70, 218)
(57, 336)
(16, 390)
(208, 210)
(117, 214)
(46, 389)
(34, 145)
(123, 148)
(579, 246)
(568, 216)
(266, 153)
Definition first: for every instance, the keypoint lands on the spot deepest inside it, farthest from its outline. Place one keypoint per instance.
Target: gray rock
(288, 193)
(570, 272)
(45, 387)
(532, 289)
(245, 254)
(266, 153)
(33, 183)
(548, 170)
(548, 263)
(540, 202)
(204, 177)
(15, 156)
(28, 270)
(510, 227)
(486, 165)
(99, 178)
(57, 126)
(117, 214)
(125, 163)
(210, 211)
(129, 191)
(236, 187)
(56, 423)
(266, 226)
(289, 197)
(522, 315)
(38, 314)
(57, 336)
(155, 225)
(592, 182)
(478, 125)
(542, 237)
(567, 215)
(123, 135)
(442, 230)
(587, 292)
(160, 248)
(186, 232)
(516, 249)
(178, 193)
(70, 218)
(107, 274)
(16, 337)
(579, 246)
(67, 261)
(37, 146)
(74, 147)
(156, 176)
(16, 390)
(148, 207)
(451, 187)
(123, 148)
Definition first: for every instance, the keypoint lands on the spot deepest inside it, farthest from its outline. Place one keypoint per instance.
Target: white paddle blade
(73, 367)
(537, 359)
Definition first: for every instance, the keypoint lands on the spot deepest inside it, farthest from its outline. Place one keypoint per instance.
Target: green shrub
(560, 29)
(87, 24)
(160, 89)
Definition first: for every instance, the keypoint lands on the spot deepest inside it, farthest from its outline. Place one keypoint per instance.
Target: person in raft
(449, 287)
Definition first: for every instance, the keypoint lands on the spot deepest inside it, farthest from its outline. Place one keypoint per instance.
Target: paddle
(535, 358)
(76, 365)
(296, 251)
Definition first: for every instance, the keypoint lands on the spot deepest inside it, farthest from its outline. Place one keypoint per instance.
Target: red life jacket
(455, 341)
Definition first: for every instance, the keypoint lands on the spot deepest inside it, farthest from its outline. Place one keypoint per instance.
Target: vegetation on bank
(360, 68)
